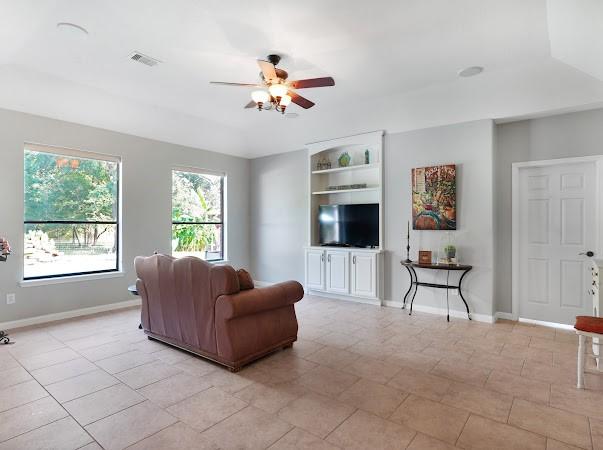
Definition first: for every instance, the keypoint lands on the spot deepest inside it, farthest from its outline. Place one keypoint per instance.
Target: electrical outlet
(10, 299)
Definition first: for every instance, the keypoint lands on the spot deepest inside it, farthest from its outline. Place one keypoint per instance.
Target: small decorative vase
(344, 159)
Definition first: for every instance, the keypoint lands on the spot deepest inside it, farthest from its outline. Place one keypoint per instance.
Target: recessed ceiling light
(470, 71)
(71, 28)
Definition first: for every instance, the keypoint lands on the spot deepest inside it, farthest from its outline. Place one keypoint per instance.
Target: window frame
(80, 154)
(222, 223)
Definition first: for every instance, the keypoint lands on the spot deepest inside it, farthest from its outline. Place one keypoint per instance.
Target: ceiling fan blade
(223, 83)
(312, 83)
(251, 104)
(301, 101)
(267, 69)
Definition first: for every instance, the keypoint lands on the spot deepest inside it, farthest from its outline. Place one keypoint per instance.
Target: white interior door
(557, 221)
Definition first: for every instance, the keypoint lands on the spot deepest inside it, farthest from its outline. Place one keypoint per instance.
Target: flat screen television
(349, 225)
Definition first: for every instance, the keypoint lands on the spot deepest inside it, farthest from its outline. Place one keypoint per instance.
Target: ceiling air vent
(144, 59)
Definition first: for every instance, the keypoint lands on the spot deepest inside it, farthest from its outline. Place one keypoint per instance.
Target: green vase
(344, 159)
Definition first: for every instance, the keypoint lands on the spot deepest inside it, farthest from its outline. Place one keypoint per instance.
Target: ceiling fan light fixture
(260, 97)
(285, 100)
(278, 90)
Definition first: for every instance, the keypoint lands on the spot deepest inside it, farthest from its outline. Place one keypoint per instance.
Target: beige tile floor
(359, 377)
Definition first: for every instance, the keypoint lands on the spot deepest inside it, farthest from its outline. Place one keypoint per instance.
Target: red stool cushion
(589, 324)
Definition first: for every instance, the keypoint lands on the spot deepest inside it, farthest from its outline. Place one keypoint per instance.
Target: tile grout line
(64, 409)
(463, 429)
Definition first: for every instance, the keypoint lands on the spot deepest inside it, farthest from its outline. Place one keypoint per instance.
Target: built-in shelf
(343, 191)
(343, 169)
(345, 272)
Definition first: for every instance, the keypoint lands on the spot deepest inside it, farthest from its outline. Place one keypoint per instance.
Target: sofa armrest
(257, 300)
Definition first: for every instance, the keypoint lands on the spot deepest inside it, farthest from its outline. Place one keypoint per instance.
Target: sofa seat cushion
(589, 324)
(245, 280)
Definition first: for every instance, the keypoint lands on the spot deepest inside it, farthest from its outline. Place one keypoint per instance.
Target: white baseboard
(259, 283)
(503, 316)
(347, 298)
(542, 323)
(441, 311)
(68, 314)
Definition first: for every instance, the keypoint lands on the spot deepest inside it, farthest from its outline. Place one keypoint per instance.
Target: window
(198, 215)
(71, 224)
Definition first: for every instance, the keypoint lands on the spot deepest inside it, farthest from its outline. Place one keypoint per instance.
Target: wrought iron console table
(415, 283)
(3, 334)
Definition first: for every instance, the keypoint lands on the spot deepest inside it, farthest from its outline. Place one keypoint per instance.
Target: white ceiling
(394, 63)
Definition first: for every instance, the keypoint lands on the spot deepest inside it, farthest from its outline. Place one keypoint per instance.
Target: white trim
(557, 161)
(515, 196)
(441, 311)
(348, 298)
(542, 323)
(259, 283)
(503, 316)
(71, 279)
(64, 151)
(198, 170)
(68, 314)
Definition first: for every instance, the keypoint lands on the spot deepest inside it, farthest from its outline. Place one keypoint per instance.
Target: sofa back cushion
(177, 300)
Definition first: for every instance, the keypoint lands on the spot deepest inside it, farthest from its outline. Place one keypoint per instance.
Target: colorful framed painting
(434, 198)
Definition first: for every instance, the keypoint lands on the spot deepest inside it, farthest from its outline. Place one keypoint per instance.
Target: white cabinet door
(338, 270)
(364, 274)
(315, 269)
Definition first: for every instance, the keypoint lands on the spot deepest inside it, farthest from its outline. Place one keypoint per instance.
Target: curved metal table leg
(409, 287)
(4, 337)
(461, 292)
(416, 280)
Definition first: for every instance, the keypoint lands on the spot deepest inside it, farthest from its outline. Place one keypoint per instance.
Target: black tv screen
(349, 225)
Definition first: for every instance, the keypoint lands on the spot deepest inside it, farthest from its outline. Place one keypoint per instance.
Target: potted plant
(450, 252)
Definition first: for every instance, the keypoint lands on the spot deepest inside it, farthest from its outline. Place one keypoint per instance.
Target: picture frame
(424, 256)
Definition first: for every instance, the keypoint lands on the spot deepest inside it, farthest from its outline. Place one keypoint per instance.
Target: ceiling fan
(275, 91)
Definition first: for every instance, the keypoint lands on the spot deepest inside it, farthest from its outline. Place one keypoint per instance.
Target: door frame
(515, 198)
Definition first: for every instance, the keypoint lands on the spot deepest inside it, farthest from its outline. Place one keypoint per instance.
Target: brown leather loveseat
(199, 307)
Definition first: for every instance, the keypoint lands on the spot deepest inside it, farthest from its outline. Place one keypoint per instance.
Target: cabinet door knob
(329, 258)
(354, 260)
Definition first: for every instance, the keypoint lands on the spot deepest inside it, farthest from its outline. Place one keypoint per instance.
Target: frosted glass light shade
(260, 96)
(278, 90)
(285, 100)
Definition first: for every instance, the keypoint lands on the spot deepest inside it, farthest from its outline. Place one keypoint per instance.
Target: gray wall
(470, 147)
(561, 136)
(279, 216)
(146, 201)
(280, 212)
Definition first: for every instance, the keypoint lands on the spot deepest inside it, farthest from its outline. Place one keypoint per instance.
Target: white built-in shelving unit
(349, 273)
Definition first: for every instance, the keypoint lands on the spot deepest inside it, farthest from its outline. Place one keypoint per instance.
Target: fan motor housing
(274, 59)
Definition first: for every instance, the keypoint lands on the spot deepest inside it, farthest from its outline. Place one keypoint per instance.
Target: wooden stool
(586, 326)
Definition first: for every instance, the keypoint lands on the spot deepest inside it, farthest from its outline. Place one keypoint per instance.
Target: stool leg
(581, 351)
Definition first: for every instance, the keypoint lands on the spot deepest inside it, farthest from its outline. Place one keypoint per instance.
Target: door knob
(589, 253)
